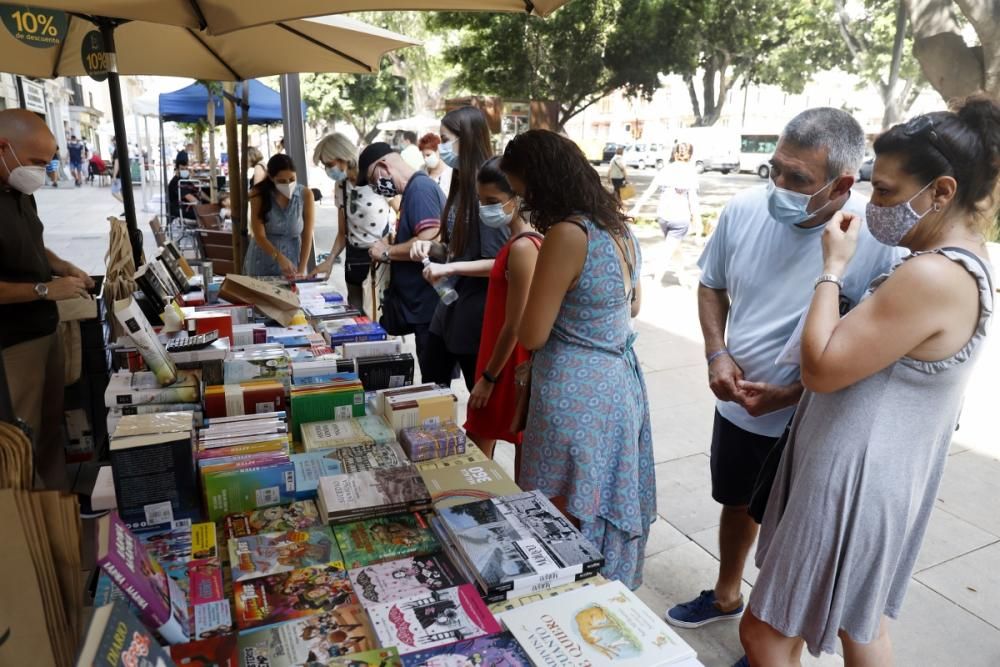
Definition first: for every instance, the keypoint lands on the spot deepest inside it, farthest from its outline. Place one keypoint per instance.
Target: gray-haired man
(758, 274)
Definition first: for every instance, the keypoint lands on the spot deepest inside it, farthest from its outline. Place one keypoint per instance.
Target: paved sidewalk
(952, 612)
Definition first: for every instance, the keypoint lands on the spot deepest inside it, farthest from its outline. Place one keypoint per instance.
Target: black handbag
(765, 478)
(393, 317)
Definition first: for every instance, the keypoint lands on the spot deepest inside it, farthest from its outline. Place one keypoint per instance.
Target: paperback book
(599, 625)
(368, 430)
(424, 621)
(513, 603)
(432, 442)
(404, 577)
(116, 638)
(127, 388)
(499, 650)
(284, 597)
(515, 542)
(313, 640)
(466, 481)
(371, 493)
(300, 515)
(233, 487)
(384, 538)
(381, 657)
(272, 553)
(355, 458)
(309, 467)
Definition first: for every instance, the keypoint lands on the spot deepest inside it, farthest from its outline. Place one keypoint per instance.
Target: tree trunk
(723, 91)
(199, 138)
(708, 92)
(693, 94)
(236, 172)
(890, 100)
(954, 69)
(211, 146)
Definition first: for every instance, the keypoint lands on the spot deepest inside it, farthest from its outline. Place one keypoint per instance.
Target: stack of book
(245, 398)
(425, 407)
(432, 441)
(311, 466)
(369, 430)
(142, 388)
(371, 493)
(258, 362)
(516, 544)
(334, 400)
(351, 330)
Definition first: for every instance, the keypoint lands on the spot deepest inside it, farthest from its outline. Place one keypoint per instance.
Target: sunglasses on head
(923, 126)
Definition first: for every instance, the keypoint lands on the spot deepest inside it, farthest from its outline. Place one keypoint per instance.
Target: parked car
(641, 156)
(609, 151)
(865, 172)
(756, 151)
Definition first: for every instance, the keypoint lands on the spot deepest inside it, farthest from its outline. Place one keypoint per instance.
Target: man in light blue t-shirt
(758, 274)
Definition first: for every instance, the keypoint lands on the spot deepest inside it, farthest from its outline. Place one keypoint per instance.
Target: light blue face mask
(448, 154)
(493, 215)
(336, 173)
(792, 208)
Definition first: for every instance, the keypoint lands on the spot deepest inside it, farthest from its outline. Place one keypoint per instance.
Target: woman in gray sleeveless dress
(867, 447)
(281, 223)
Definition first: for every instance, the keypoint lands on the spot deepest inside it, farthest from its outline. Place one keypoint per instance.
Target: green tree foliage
(363, 100)
(566, 58)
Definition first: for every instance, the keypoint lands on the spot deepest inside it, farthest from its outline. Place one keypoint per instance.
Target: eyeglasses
(924, 126)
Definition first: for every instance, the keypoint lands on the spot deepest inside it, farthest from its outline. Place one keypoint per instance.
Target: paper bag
(278, 303)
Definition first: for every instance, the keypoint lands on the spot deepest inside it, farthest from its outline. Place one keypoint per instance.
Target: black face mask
(384, 186)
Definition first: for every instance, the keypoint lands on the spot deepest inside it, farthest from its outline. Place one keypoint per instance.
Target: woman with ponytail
(281, 223)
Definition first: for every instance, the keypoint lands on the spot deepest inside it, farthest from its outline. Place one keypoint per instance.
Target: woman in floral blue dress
(587, 444)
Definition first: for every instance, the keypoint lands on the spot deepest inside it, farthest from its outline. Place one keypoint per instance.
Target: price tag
(96, 60)
(34, 26)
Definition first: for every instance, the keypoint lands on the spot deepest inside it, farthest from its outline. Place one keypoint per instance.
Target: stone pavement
(952, 612)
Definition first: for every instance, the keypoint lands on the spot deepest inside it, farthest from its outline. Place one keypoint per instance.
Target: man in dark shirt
(419, 218)
(77, 154)
(29, 288)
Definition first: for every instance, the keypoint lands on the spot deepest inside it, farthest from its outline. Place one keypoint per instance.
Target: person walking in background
(419, 218)
(617, 172)
(757, 272)
(77, 154)
(258, 172)
(363, 216)
(885, 385)
(471, 247)
(434, 166)
(588, 443)
(410, 153)
(52, 170)
(281, 223)
(494, 398)
(677, 209)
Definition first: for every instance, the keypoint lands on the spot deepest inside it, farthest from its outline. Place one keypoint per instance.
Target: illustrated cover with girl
(290, 595)
(314, 640)
(272, 553)
(406, 577)
(385, 538)
(296, 516)
(500, 650)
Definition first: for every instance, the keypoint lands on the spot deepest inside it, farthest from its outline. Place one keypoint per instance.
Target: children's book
(384, 538)
(116, 638)
(313, 640)
(499, 650)
(272, 553)
(290, 595)
(405, 577)
(380, 657)
(299, 515)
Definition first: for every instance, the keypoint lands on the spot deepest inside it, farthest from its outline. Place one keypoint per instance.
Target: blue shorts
(76, 166)
(52, 166)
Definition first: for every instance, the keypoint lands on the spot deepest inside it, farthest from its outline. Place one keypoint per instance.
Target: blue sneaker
(742, 662)
(700, 611)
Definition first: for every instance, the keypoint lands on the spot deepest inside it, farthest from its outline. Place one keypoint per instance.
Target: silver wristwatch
(830, 278)
(42, 291)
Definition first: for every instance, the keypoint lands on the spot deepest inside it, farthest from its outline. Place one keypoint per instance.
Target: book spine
(154, 612)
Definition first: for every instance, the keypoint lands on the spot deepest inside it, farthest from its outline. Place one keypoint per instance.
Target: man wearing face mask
(32, 279)
(758, 271)
(419, 219)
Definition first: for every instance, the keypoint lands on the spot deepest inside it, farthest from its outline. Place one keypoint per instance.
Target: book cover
(289, 595)
(467, 481)
(368, 430)
(246, 398)
(499, 650)
(598, 625)
(272, 553)
(432, 442)
(142, 387)
(472, 455)
(212, 619)
(121, 555)
(309, 467)
(528, 598)
(517, 541)
(217, 651)
(106, 592)
(381, 657)
(354, 458)
(425, 409)
(245, 489)
(312, 640)
(339, 399)
(169, 544)
(265, 364)
(377, 348)
(381, 394)
(144, 338)
(300, 515)
(205, 581)
(386, 371)
(373, 492)
(384, 538)
(116, 638)
(404, 577)
(441, 617)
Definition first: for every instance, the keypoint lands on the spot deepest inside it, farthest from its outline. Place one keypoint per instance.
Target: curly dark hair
(560, 182)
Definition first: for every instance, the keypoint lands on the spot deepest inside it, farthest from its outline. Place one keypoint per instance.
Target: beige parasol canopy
(328, 44)
(222, 16)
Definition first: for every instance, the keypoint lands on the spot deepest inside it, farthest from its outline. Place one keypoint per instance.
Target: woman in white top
(617, 172)
(364, 217)
(434, 166)
(678, 208)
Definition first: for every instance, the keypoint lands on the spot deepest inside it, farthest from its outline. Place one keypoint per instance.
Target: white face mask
(184, 173)
(24, 179)
(285, 188)
(432, 160)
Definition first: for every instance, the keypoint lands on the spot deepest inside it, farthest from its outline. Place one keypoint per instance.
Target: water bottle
(444, 287)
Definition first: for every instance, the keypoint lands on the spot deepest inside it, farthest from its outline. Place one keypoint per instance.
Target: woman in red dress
(493, 399)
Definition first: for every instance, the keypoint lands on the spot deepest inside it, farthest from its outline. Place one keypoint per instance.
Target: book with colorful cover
(499, 650)
(405, 577)
(217, 651)
(313, 640)
(512, 543)
(433, 441)
(370, 493)
(290, 595)
(380, 657)
(309, 467)
(355, 458)
(468, 481)
(368, 430)
(116, 638)
(424, 621)
(247, 488)
(272, 553)
(163, 607)
(339, 399)
(598, 625)
(385, 538)
(299, 515)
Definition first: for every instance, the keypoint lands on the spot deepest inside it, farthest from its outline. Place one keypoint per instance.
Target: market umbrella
(43, 43)
(222, 16)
